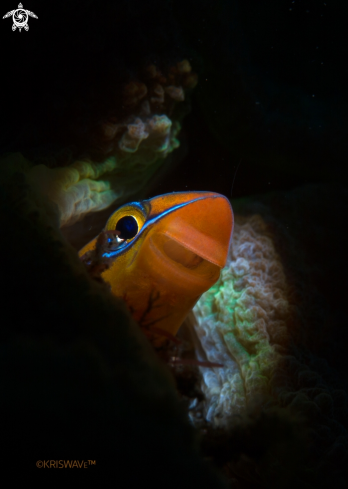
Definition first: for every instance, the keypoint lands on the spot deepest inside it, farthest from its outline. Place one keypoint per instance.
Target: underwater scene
(173, 202)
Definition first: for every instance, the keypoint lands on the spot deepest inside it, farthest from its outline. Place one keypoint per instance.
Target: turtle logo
(20, 17)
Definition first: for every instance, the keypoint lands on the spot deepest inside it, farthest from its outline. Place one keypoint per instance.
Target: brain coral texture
(240, 321)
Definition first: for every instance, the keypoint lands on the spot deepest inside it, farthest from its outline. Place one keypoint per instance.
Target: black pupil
(127, 226)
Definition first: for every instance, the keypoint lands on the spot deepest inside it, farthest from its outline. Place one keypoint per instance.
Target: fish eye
(128, 220)
(127, 226)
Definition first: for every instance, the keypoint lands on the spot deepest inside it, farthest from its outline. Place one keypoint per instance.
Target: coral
(126, 145)
(274, 330)
(75, 189)
(145, 131)
(234, 321)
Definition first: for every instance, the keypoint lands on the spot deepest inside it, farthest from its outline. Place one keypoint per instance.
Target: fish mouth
(179, 265)
(179, 253)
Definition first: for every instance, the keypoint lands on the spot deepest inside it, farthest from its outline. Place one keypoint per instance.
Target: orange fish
(165, 253)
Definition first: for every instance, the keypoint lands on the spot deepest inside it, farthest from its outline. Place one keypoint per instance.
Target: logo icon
(20, 17)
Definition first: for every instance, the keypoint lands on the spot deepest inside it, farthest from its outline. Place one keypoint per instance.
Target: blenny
(164, 252)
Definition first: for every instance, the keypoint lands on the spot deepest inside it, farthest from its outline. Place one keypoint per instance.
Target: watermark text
(65, 464)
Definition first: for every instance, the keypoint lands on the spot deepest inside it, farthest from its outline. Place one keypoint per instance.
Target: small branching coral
(148, 108)
(140, 135)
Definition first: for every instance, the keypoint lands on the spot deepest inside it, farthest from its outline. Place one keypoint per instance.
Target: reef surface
(81, 381)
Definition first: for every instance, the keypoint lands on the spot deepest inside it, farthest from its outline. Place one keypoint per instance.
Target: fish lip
(193, 249)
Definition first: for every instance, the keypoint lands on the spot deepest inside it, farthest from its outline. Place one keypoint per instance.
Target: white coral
(234, 320)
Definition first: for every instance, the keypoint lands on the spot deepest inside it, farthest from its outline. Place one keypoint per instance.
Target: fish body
(169, 250)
